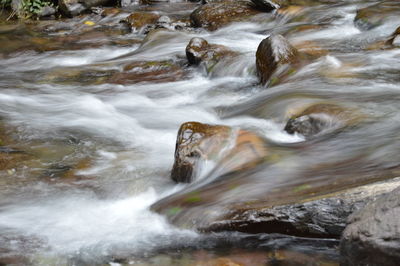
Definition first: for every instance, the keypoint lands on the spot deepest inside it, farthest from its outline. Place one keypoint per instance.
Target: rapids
(61, 112)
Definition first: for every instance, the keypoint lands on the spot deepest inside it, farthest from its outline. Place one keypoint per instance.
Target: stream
(93, 154)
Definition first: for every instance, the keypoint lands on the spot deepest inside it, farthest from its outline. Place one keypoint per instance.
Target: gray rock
(373, 234)
(72, 8)
(47, 11)
(325, 217)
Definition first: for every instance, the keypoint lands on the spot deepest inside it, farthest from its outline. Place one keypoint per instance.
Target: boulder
(197, 142)
(323, 217)
(273, 52)
(200, 51)
(374, 15)
(212, 16)
(372, 236)
(322, 117)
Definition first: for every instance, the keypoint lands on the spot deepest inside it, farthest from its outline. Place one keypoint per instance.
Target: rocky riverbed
(259, 132)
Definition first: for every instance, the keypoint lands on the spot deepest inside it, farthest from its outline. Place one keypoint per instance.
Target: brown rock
(394, 39)
(200, 51)
(321, 117)
(273, 52)
(198, 142)
(374, 15)
(138, 20)
(112, 11)
(215, 15)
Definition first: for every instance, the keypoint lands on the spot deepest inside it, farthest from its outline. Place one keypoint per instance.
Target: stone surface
(149, 71)
(374, 15)
(215, 15)
(71, 8)
(138, 20)
(265, 5)
(199, 51)
(197, 142)
(373, 234)
(394, 39)
(272, 52)
(319, 118)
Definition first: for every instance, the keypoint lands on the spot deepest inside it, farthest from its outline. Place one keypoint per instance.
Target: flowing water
(98, 154)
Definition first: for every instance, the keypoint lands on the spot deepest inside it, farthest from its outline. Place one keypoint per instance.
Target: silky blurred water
(128, 132)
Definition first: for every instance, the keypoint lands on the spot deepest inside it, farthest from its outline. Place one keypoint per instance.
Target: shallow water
(126, 133)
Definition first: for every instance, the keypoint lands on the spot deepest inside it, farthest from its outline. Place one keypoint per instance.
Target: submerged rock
(374, 15)
(10, 157)
(320, 117)
(273, 52)
(149, 71)
(200, 51)
(197, 142)
(373, 234)
(215, 15)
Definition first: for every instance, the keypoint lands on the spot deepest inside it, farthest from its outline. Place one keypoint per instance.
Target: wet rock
(200, 51)
(67, 172)
(47, 11)
(373, 234)
(265, 5)
(311, 49)
(394, 40)
(289, 11)
(215, 15)
(138, 20)
(78, 76)
(112, 11)
(10, 157)
(149, 71)
(321, 117)
(165, 22)
(374, 15)
(71, 8)
(273, 52)
(198, 142)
